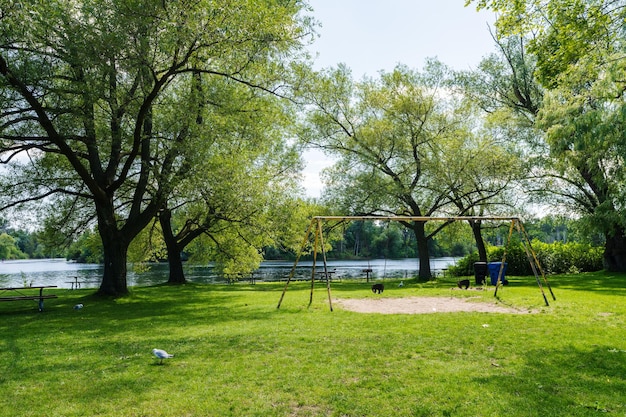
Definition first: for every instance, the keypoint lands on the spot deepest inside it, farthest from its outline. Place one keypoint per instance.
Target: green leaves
(578, 46)
(406, 144)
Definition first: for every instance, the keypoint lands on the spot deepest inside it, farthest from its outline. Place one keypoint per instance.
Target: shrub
(554, 258)
(559, 257)
(464, 266)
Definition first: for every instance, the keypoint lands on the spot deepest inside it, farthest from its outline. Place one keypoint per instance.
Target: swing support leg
(293, 269)
(534, 262)
(532, 259)
(326, 275)
(318, 241)
(317, 238)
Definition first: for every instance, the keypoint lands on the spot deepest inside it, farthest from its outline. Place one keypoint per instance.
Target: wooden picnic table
(25, 293)
(74, 283)
(322, 274)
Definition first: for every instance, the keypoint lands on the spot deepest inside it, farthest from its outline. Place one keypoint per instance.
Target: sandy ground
(422, 305)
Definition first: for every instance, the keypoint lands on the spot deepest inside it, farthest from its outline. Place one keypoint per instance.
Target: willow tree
(88, 82)
(405, 145)
(504, 87)
(244, 175)
(579, 47)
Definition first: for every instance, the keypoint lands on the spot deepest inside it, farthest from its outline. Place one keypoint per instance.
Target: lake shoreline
(64, 274)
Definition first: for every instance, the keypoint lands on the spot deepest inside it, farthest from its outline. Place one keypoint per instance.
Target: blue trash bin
(494, 270)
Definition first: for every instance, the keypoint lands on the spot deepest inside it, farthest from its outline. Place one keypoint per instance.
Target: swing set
(316, 227)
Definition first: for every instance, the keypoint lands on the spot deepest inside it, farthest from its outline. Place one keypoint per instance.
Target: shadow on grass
(164, 303)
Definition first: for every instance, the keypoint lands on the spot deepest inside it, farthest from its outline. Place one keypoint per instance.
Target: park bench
(322, 275)
(25, 293)
(75, 283)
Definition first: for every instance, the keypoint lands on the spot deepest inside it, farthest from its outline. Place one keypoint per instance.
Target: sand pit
(422, 305)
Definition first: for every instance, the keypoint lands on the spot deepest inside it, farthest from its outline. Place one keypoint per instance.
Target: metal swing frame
(316, 226)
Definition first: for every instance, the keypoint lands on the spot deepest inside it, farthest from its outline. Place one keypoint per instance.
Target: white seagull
(161, 354)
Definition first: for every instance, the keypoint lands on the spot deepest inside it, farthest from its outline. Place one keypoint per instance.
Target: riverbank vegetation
(235, 354)
(23, 244)
(553, 258)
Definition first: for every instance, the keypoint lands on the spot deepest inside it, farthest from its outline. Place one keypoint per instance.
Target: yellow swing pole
(293, 269)
(532, 256)
(317, 237)
(321, 234)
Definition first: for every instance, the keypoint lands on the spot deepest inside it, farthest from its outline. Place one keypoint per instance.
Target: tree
(243, 171)
(246, 179)
(406, 146)
(86, 87)
(8, 248)
(505, 88)
(578, 47)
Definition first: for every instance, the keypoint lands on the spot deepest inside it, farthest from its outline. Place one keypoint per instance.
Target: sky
(373, 35)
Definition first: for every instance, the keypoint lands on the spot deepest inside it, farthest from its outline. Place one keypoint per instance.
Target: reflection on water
(61, 273)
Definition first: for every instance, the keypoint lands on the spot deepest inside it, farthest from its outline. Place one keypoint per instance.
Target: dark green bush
(559, 257)
(554, 258)
(464, 266)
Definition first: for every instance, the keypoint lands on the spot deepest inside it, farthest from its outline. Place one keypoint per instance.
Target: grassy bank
(237, 355)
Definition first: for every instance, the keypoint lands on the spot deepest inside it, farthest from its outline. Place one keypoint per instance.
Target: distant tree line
(388, 239)
(21, 244)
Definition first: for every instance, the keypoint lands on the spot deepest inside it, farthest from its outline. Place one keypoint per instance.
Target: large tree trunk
(615, 251)
(177, 275)
(115, 257)
(478, 238)
(115, 242)
(422, 251)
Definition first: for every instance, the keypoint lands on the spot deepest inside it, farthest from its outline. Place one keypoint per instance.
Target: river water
(61, 273)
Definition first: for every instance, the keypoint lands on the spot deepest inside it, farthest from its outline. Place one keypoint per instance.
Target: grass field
(237, 355)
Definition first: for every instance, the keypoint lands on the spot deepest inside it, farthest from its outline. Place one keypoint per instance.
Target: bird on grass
(161, 354)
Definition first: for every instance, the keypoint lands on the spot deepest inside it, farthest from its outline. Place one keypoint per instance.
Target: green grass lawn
(237, 355)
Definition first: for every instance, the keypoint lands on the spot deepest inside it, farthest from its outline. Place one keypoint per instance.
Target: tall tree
(505, 88)
(579, 46)
(87, 84)
(245, 176)
(403, 145)
(241, 169)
